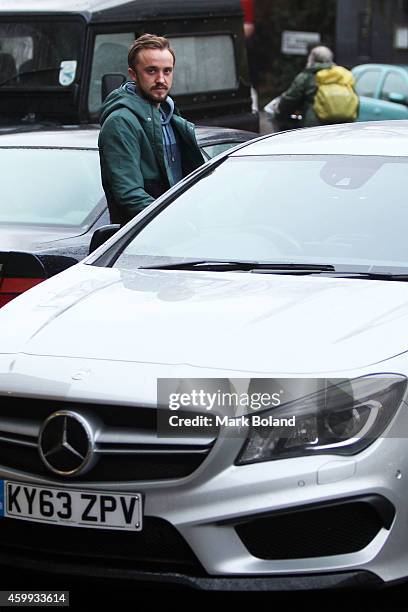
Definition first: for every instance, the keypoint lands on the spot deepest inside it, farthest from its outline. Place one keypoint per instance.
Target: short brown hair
(148, 41)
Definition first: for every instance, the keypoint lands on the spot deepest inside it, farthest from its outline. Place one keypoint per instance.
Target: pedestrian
(145, 145)
(248, 8)
(323, 93)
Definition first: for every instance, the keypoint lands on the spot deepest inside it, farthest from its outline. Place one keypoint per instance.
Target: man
(145, 146)
(323, 93)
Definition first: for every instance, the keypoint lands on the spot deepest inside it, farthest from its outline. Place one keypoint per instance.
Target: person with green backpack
(323, 93)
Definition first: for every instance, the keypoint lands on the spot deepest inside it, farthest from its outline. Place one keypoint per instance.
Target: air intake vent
(315, 532)
(158, 546)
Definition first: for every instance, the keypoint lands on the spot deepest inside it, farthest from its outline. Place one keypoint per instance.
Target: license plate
(77, 508)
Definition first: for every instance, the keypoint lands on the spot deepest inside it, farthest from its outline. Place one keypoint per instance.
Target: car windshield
(57, 187)
(345, 210)
(39, 54)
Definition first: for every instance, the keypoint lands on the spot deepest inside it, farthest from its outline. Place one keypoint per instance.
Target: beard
(151, 98)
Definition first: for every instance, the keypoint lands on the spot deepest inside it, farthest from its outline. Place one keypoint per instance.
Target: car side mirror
(398, 98)
(101, 235)
(110, 82)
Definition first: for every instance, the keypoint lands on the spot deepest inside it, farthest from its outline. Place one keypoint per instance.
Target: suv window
(110, 55)
(198, 68)
(367, 83)
(39, 54)
(394, 83)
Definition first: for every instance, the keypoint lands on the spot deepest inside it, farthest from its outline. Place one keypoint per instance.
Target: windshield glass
(49, 186)
(39, 54)
(315, 209)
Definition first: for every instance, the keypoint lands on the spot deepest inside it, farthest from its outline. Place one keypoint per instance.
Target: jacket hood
(335, 74)
(127, 96)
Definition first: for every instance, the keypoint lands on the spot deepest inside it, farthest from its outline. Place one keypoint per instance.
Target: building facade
(371, 31)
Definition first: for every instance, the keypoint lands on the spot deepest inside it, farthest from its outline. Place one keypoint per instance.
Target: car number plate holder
(71, 507)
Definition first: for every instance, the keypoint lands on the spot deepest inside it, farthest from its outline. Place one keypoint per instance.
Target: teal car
(383, 91)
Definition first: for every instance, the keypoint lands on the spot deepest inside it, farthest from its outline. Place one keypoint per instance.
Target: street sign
(297, 43)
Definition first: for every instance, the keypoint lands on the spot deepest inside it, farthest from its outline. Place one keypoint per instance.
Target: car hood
(258, 323)
(17, 238)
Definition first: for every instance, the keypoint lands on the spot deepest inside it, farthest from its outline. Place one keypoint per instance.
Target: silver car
(217, 396)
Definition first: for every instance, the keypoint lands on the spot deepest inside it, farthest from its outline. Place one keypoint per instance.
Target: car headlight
(342, 417)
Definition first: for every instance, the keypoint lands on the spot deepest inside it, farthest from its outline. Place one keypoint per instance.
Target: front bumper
(205, 510)
(339, 580)
(205, 507)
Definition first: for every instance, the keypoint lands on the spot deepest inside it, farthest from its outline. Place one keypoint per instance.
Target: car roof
(382, 66)
(381, 138)
(122, 10)
(69, 136)
(86, 137)
(34, 6)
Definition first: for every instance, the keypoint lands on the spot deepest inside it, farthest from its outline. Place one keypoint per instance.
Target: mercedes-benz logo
(66, 443)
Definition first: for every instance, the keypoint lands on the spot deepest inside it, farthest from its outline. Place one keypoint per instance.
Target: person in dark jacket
(145, 146)
(299, 98)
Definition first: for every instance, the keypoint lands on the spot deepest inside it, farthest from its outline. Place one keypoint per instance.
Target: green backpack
(335, 100)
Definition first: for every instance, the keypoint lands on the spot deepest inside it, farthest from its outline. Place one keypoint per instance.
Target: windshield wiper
(371, 275)
(299, 269)
(244, 266)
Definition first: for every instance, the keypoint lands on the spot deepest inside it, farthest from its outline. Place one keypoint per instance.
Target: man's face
(153, 74)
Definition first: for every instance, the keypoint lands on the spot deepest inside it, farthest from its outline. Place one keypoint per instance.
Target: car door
(394, 94)
(368, 87)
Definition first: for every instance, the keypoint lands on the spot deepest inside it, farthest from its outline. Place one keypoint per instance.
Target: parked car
(60, 58)
(53, 201)
(278, 269)
(383, 91)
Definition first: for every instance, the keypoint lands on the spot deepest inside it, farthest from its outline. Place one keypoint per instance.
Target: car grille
(315, 532)
(126, 445)
(159, 546)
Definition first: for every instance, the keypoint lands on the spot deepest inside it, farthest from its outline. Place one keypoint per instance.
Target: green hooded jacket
(300, 96)
(133, 166)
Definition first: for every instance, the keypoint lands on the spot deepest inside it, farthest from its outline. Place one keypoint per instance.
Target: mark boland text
(225, 421)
